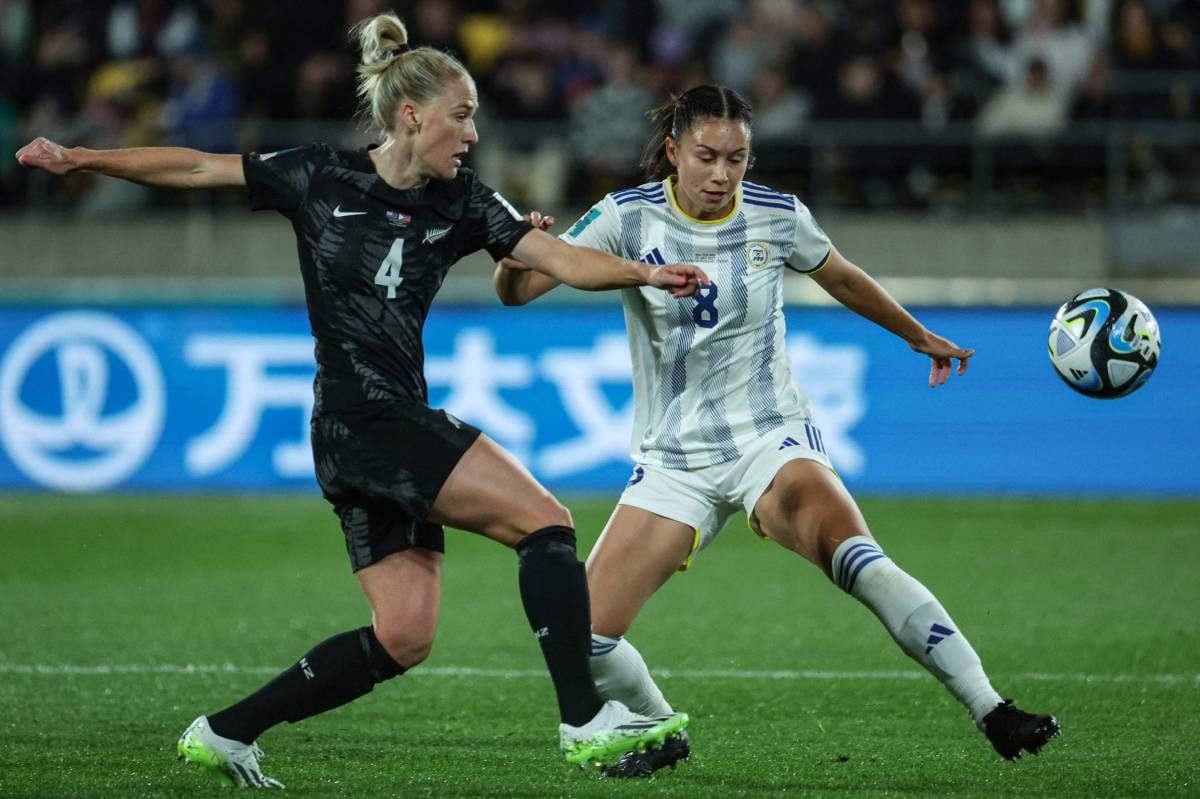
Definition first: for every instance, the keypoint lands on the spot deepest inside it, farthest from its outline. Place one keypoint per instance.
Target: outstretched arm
(516, 283)
(168, 167)
(859, 292)
(592, 270)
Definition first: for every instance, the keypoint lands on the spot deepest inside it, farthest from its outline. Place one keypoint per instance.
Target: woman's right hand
(681, 280)
(41, 153)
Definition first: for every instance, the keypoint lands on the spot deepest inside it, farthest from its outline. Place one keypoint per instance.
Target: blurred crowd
(565, 85)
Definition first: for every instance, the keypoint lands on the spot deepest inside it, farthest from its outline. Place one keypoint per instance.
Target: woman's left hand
(942, 352)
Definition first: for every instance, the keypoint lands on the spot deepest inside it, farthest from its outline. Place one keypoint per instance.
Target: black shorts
(381, 466)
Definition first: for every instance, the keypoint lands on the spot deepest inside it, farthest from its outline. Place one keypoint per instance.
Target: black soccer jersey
(372, 257)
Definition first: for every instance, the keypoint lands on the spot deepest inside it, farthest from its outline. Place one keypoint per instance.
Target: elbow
(509, 295)
(512, 300)
(506, 293)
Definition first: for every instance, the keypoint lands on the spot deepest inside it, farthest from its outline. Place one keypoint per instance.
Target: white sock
(916, 620)
(621, 674)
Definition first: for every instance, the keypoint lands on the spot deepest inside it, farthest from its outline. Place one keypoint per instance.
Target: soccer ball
(1104, 343)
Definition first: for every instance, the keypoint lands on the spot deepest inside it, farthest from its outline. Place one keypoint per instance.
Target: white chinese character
(251, 389)
(580, 376)
(474, 373)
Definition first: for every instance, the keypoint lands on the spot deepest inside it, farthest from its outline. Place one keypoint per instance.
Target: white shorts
(705, 498)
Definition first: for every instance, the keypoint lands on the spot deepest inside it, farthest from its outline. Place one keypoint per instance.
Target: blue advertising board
(217, 398)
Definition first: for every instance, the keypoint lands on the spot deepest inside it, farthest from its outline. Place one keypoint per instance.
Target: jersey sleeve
(598, 229)
(810, 245)
(494, 225)
(279, 181)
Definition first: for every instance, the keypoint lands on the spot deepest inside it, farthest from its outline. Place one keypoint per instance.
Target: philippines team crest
(758, 254)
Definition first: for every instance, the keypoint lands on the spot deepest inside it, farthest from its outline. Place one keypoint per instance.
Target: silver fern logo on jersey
(758, 254)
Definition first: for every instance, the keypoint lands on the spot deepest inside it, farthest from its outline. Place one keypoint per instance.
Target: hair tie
(388, 56)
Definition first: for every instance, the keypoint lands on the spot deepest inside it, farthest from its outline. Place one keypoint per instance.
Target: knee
(609, 623)
(554, 513)
(404, 645)
(548, 512)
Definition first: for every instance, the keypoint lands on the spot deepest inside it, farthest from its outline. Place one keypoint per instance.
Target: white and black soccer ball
(1104, 343)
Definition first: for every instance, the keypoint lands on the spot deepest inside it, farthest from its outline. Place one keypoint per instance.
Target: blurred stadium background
(985, 159)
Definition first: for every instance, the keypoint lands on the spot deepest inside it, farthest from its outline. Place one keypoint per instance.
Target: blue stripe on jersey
(631, 247)
(642, 187)
(675, 349)
(655, 189)
(652, 195)
(631, 234)
(621, 195)
(749, 200)
(764, 191)
(764, 397)
(651, 200)
(720, 372)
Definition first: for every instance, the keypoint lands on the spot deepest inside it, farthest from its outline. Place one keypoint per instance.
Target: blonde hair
(390, 72)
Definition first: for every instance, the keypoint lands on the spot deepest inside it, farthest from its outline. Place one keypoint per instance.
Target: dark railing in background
(867, 165)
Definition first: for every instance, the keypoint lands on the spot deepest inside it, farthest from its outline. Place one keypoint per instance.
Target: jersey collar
(669, 188)
(443, 196)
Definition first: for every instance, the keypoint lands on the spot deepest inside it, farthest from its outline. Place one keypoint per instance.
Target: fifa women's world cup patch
(758, 254)
(585, 220)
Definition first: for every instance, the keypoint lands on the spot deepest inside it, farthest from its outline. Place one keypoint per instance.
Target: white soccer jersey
(711, 372)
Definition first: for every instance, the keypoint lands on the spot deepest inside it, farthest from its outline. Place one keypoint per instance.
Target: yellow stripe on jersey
(737, 200)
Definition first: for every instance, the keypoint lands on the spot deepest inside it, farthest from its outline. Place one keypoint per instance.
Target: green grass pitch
(1084, 609)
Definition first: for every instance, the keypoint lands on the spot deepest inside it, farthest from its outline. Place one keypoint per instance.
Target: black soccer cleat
(1011, 729)
(642, 764)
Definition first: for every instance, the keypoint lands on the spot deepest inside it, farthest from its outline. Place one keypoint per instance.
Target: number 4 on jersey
(389, 271)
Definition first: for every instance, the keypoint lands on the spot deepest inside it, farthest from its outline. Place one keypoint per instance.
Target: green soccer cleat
(615, 732)
(636, 765)
(231, 761)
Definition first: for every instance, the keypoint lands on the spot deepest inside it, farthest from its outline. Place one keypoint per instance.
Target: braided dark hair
(678, 114)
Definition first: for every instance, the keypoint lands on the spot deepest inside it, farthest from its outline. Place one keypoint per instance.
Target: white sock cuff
(851, 557)
(603, 644)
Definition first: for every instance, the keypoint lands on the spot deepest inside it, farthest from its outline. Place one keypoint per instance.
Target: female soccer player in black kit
(376, 231)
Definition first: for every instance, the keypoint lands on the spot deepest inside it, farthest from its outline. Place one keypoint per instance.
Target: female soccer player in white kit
(720, 424)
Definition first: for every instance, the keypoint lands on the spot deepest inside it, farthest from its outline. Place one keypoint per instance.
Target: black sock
(336, 671)
(554, 592)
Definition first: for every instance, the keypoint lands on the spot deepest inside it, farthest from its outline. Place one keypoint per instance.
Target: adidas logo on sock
(937, 634)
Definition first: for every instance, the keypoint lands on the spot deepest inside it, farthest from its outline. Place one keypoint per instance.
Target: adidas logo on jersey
(788, 442)
(654, 257)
